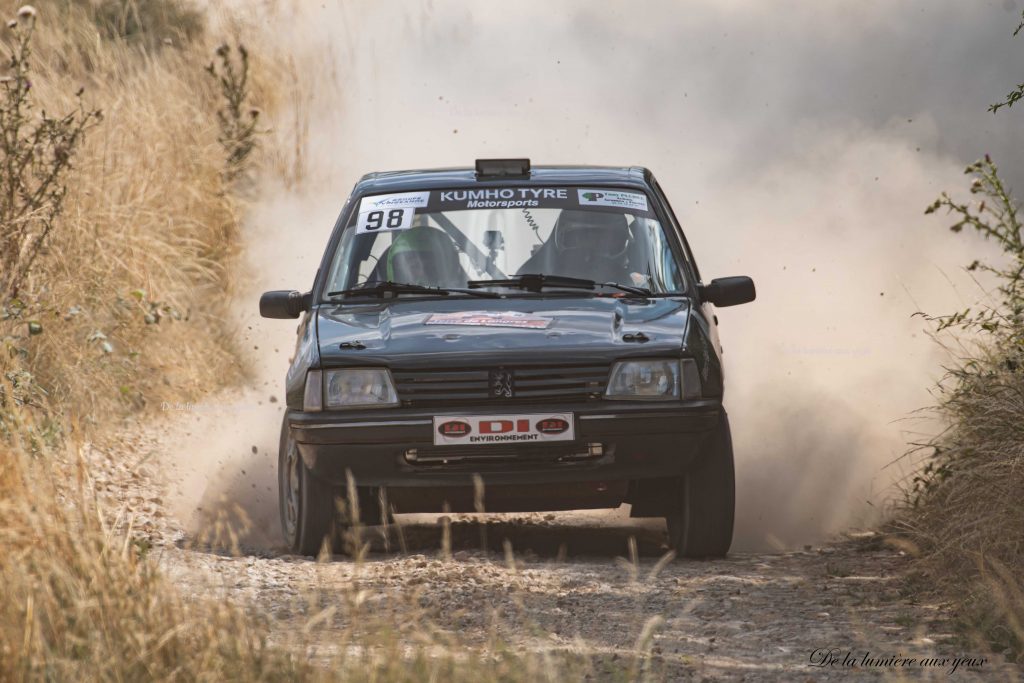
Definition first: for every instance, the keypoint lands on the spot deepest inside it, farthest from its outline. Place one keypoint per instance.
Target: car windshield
(448, 238)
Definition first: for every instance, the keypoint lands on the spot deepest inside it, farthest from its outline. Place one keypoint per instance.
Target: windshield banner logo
(633, 201)
(504, 197)
(402, 200)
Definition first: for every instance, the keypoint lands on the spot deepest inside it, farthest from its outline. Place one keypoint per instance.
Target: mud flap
(652, 497)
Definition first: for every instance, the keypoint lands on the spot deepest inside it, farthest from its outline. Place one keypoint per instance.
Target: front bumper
(637, 440)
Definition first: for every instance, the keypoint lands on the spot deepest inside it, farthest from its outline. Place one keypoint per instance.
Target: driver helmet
(423, 255)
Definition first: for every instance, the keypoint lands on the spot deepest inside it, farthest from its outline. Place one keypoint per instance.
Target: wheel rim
(290, 489)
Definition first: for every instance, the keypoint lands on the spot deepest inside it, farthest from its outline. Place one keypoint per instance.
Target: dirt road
(580, 582)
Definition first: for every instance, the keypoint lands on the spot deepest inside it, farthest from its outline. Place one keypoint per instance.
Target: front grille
(526, 384)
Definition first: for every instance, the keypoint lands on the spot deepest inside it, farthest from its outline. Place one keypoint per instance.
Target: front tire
(307, 504)
(700, 522)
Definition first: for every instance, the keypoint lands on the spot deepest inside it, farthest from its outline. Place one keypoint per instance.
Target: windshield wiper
(391, 289)
(535, 282)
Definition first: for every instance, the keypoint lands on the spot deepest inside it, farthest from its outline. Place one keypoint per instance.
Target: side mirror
(284, 304)
(729, 291)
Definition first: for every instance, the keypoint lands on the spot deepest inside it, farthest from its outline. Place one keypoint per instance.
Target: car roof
(429, 179)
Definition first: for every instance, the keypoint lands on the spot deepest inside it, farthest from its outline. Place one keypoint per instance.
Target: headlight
(652, 380)
(358, 387)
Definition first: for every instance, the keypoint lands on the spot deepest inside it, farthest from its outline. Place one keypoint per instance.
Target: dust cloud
(798, 142)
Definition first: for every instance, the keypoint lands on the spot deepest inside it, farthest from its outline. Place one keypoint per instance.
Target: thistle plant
(35, 156)
(995, 216)
(1017, 93)
(237, 119)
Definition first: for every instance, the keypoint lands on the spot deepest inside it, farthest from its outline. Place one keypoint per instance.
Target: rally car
(507, 338)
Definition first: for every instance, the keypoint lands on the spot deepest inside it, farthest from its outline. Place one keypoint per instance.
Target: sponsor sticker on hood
(634, 201)
(490, 319)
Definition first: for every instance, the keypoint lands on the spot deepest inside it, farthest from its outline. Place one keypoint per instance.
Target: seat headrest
(576, 229)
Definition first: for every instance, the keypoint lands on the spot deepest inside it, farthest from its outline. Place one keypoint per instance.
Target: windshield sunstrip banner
(375, 208)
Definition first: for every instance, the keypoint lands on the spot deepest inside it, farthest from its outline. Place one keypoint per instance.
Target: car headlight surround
(359, 388)
(313, 393)
(649, 380)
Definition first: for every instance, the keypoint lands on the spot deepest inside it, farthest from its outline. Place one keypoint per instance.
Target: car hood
(411, 332)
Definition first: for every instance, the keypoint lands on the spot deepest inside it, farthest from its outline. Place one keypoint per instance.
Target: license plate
(481, 430)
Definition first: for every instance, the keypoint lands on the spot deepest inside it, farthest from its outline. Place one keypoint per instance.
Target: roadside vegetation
(128, 143)
(123, 227)
(116, 230)
(129, 135)
(963, 510)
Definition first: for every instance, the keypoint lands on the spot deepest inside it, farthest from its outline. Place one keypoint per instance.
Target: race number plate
(481, 430)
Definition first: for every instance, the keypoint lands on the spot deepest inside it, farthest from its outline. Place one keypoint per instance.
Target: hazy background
(798, 142)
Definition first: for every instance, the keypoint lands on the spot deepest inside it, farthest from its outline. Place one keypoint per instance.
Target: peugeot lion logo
(501, 383)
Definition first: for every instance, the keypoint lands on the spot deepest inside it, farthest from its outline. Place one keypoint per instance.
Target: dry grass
(148, 229)
(132, 292)
(963, 510)
(82, 602)
(129, 308)
(130, 297)
(966, 517)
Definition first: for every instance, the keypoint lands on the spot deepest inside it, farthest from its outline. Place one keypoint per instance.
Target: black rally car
(541, 331)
